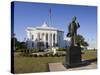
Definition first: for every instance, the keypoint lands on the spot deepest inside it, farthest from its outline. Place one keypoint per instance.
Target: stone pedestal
(73, 57)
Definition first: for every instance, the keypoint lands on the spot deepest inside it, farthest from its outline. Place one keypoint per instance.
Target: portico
(49, 36)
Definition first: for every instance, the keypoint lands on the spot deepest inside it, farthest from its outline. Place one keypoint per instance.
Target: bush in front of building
(25, 52)
(34, 50)
(61, 49)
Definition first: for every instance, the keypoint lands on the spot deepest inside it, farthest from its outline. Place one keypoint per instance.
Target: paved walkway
(90, 66)
(56, 67)
(60, 67)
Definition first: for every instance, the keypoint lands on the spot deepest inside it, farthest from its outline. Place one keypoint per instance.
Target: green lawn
(89, 54)
(40, 64)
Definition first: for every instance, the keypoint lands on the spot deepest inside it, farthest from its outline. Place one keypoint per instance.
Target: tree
(85, 44)
(81, 40)
(17, 45)
(14, 42)
(22, 45)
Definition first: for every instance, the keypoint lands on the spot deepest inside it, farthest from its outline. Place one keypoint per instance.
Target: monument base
(73, 57)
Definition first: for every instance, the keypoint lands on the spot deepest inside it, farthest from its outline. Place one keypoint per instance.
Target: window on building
(53, 44)
(32, 44)
(53, 37)
(50, 36)
(53, 40)
(38, 35)
(47, 45)
(42, 36)
(32, 37)
(46, 37)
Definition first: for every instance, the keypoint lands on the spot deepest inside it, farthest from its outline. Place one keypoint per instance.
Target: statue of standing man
(72, 31)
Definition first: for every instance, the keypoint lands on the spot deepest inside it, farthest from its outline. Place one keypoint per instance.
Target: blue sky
(34, 14)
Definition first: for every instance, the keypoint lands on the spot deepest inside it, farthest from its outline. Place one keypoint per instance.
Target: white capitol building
(50, 36)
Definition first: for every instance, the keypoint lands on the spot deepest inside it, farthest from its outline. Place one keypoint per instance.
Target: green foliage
(81, 40)
(26, 52)
(61, 49)
(19, 46)
(34, 64)
(33, 50)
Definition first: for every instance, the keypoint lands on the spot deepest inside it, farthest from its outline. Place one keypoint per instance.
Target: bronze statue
(72, 31)
(73, 52)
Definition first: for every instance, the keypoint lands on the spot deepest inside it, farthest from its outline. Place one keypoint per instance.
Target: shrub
(41, 55)
(53, 55)
(33, 50)
(30, 55)
(57, 54)
(38, 55)
(61, 49)
(47, 55)
(35, 55)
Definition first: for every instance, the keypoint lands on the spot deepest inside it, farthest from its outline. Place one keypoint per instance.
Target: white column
(40, 35)
(49, 39)
(44, 39)
(55, 38)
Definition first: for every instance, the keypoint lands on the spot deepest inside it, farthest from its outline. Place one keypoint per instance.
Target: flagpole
(50, 16)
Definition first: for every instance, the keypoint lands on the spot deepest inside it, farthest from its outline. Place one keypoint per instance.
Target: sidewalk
(60, 67)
